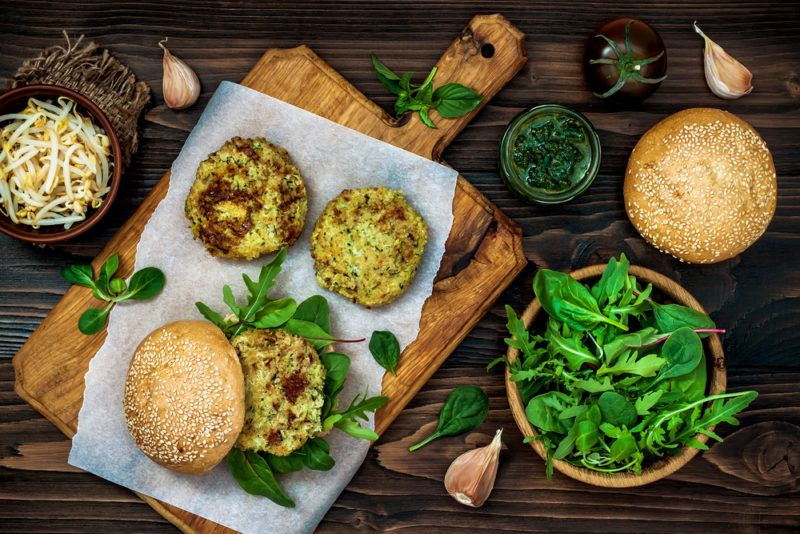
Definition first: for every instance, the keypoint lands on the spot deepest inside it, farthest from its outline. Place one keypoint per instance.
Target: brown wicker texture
(715, 361)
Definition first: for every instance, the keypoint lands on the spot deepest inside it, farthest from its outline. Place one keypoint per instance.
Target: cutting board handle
(487, 54)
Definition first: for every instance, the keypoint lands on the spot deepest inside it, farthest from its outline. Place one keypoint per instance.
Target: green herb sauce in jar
(549, 154)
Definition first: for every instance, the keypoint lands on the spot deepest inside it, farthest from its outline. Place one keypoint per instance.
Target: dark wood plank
(749, 483)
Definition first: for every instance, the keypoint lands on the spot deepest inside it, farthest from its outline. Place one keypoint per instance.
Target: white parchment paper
(330, 158)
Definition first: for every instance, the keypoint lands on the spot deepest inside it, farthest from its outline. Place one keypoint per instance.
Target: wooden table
(750, 482)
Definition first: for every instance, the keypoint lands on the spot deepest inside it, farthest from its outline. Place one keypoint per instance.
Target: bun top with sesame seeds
(701, 185)
(184, 396)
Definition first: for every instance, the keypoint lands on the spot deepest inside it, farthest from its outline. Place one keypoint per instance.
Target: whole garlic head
(470, 478)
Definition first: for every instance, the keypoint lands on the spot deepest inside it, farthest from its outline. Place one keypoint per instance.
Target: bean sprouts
(54, 164)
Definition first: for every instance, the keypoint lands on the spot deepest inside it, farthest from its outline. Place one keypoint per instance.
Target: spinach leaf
(254, 476)
(284, 464)
(586, 435)
(316, 455)
(620, 344)
(671, 317)
(568, 301)
(315, 309)
(337, 366)
(465, 408)
(385, 349)
(616, 409)
(311, 331)
(573, 350)
(683, 352)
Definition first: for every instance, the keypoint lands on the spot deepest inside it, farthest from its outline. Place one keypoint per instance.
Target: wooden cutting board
(483, 252)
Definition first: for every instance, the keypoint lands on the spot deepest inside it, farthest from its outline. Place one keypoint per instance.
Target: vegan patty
(284, 380)
(247, 200)
(367, 245)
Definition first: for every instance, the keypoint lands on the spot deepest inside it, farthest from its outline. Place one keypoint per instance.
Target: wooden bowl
(715, 362)
(16, 100)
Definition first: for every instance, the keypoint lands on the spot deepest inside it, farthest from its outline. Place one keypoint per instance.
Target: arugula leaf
(211, 315)
(593, 386)
(316, 455)
(607, 289)
(628, 363)
(573, 350)
(385, 350)
(274, 313)
(644, 403)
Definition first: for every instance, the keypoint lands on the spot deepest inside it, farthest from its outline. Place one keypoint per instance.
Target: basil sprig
(466, 408)
(257, 472)
(450, 100)
(615, 381)
(144, 284)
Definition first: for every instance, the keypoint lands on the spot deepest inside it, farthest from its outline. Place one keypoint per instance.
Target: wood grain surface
(748, 483)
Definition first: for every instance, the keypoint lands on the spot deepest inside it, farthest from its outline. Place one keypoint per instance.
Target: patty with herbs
(284, 380)
(367, 245)
(247, 200)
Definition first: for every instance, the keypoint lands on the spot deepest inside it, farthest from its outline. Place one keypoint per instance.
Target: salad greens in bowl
(621, 380)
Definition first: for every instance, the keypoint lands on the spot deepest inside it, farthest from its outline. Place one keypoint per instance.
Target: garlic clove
(179, 83)
(470, 478)
(726, 77)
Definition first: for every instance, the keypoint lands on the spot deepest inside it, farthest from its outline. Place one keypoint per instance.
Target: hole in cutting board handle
(487, 50)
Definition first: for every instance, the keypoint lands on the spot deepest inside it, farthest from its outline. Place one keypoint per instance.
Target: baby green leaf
(254, 476)
(586, 435)
(671, 317)
(623, 447)
(616, 409)
(593, 386)
(611, 282)
(315, 309)
(385, 349)
(647, 401)
(144, 284)
(465, 408)
(628, 363)
(274, 313)
(567, 300)
(80, 274)
(92, 320)
(317, 455)
(573, 350)
(683, 351)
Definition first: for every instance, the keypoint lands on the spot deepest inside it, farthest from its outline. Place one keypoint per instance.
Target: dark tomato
(623, 74)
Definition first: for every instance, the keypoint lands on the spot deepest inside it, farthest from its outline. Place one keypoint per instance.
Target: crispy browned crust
(247, 200)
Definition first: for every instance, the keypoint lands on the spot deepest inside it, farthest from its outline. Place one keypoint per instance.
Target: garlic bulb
(180, 84)
(726, 77)
(470, 478)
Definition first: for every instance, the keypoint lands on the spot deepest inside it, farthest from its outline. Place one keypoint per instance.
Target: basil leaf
(284, 464)
(385, 349)
(616, 409)
(454, 100)
(386, 76)
(671, 317)
(254, 476)
(426, 119)
(93, 320)
(465, 408)
(144, 284)
(316, 455)
(683, 352)
(315, 310)
(568, 301)
(80, 274)
(425, 91)
(274, 313)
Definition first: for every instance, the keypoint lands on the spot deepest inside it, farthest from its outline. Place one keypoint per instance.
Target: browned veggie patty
(284, 380)
(247, 200)
(367, 245)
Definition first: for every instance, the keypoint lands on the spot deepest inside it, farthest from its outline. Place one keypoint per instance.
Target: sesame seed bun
(701, 185)
(184, 396)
